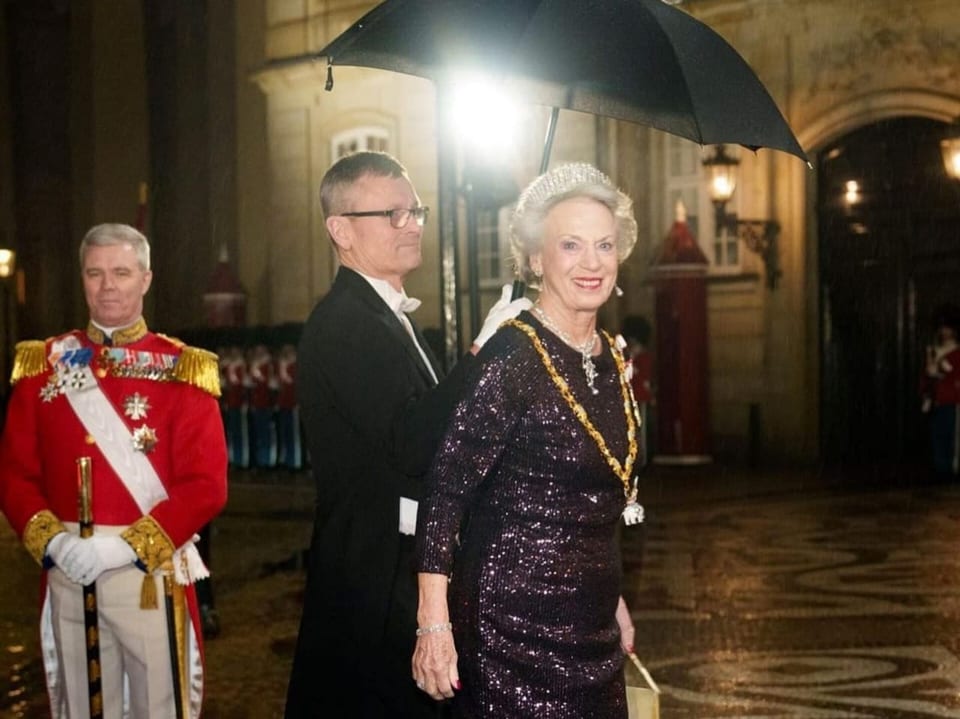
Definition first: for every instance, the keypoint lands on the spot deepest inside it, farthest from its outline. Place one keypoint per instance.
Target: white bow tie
(406, 304)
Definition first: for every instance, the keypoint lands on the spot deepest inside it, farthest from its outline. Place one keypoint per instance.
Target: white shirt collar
(396, 301)
(108, 331)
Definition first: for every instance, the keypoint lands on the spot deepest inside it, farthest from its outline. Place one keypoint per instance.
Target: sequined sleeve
(493, 400)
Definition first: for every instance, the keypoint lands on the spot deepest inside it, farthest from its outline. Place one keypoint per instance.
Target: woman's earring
(617, 291)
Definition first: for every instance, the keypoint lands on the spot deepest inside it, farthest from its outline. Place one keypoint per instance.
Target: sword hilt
(85, 497)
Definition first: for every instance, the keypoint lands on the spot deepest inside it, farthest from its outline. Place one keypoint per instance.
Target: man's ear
(147, 280)
(340, 232)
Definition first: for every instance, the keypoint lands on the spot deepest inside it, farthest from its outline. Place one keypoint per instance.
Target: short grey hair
(114, 233)
(577, 179)
(350, 168)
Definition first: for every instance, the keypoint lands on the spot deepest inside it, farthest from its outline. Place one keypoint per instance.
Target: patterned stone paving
(812, 601)
(825, 604)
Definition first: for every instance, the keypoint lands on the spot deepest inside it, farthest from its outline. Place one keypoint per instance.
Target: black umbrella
(638, 60)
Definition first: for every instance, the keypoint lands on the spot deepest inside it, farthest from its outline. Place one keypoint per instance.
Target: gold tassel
(30, 360)
(148, 593)
(199, 368)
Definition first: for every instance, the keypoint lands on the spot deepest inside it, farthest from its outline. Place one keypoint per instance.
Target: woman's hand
(626, 626)
(435, 664)
(434, 661)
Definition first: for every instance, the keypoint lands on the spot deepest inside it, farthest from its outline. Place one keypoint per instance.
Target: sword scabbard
(176, 610)
(91, 619)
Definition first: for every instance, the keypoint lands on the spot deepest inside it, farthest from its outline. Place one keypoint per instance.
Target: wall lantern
(759, 236)
(7, 316)
(8, 263)
(950, 147)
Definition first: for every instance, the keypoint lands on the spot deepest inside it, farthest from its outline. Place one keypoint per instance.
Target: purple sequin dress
(536, 575)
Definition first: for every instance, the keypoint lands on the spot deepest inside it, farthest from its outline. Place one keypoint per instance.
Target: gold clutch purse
(643, 694)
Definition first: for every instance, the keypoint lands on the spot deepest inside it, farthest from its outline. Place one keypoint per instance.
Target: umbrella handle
(548, 140)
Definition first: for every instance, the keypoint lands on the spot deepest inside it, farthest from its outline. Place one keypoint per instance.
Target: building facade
(238, 90)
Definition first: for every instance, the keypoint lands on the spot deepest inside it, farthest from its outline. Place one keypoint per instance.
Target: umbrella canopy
(637, 60)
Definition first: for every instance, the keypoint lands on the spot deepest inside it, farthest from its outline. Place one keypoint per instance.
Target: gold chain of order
(624, 471)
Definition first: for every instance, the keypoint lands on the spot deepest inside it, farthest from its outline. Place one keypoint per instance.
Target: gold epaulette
(40, 529)
(30, 360)
(199, 368)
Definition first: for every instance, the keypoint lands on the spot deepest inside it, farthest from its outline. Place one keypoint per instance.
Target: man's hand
(83, 560)
(503, 310)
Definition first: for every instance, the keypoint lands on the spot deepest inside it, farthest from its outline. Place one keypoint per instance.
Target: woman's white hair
(576, 179)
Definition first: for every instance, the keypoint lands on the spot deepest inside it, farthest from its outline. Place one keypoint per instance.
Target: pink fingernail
(457, 685)
(630, 649)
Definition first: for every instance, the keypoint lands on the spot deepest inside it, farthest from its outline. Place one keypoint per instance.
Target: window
(359, 139)
(494, 259)
(726, 250)
(684, 181)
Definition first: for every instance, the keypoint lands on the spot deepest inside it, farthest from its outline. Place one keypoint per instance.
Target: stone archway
(868, 108)
(886, 257)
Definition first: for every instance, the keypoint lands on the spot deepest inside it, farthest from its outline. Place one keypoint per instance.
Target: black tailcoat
(372, 420)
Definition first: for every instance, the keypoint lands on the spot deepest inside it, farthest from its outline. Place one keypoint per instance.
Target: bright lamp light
(8, 261)
(485, 118)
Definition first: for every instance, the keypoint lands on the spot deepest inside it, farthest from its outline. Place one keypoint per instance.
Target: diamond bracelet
(434, 628)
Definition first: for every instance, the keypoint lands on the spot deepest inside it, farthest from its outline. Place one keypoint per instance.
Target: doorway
(889, 249)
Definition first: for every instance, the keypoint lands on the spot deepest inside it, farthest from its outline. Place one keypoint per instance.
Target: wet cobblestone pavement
(754, 596)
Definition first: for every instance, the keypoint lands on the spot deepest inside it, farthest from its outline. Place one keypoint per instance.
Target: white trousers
(133, 648)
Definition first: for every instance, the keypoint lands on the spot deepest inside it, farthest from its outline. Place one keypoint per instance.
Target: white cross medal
(633, 512)
(135, 406)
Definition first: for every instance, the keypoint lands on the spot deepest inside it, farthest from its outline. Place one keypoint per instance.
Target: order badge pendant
(632, 514)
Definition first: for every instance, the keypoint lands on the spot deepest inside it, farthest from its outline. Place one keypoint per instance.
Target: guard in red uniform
(636, 333)
(940, 389)
(143, 409)
(263, 386)
(235, 406)
(290, 451)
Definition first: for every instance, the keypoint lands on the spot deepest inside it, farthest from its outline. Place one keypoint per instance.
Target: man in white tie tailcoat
(374, 403)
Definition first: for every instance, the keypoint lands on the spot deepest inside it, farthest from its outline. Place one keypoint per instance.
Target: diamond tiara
(559, 181)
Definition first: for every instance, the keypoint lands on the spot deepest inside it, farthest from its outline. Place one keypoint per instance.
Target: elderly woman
(520, 612)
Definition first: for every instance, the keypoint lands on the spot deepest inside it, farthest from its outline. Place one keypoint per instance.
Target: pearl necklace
(585, 349)
(632, 511)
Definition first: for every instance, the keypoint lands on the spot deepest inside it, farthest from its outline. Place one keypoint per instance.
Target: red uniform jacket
(154, 382)
(287, 379)
(944, 387)
(262, 381)
(642, 364)
(234, 383)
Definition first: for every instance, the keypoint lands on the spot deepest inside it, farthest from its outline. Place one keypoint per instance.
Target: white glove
(86, 559)
(502, 311)
(59, 548)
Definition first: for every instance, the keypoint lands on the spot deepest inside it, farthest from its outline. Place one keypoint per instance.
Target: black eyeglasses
(398, 218)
